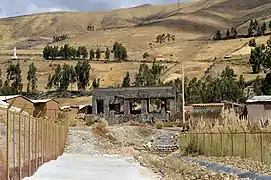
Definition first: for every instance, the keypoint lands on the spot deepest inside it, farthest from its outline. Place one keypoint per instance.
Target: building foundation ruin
(135, 103)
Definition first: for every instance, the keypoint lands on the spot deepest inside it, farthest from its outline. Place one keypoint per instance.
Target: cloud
(22, 7)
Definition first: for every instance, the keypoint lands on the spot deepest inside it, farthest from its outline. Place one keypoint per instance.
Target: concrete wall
(117, 119)
(255, 112)
(20, 102)
(134, 92)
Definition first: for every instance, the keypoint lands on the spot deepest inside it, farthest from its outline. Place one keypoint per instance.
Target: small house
(19, 101)
(46, 107)
(208, 110)
(259, 108)
(85, 109)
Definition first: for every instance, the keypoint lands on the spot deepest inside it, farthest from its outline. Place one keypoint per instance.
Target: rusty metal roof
(259, 99)
(208, 105)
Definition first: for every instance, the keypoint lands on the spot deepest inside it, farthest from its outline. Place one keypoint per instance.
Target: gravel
(81, 141)
(177, 169)
(238, 163)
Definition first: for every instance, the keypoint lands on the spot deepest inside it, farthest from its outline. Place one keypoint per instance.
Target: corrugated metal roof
(41, 100)
(259, 99)
(12, 108)
(208, 105)
(4, 98)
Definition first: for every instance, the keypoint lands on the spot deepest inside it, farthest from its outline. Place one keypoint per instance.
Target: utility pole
(179, 5)
(183, 100)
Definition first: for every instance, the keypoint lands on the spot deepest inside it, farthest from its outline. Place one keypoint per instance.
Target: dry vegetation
(100, 129)
(193, 28)
(234, 141)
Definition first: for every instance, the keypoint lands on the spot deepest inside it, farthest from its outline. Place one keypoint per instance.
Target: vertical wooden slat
(8, 146)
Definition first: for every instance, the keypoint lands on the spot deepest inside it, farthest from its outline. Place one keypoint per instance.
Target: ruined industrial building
(135, 103)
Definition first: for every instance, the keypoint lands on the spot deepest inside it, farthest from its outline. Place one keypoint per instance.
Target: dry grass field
(193, 25)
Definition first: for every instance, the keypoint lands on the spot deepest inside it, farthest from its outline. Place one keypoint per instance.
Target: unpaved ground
(243, 165)
(85, 159)
(130, 140)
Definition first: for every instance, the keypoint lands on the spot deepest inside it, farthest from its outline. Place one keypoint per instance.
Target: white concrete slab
(92, 167)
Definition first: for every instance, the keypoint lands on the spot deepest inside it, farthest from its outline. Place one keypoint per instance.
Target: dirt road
(83, 160)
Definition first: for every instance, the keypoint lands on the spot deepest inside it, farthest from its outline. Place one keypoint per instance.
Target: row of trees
(230, 34)
(67, 52)
(64, 52)
(260, 56)
(254, 29)
(209, 89)
(161, 38)
(146, 76)
(13, 83)
(213, 89)
(67, 75)
(63, 77)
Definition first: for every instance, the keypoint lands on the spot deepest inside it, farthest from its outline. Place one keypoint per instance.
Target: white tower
(14, 54)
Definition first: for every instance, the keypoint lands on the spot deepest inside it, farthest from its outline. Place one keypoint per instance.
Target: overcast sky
(21, 7)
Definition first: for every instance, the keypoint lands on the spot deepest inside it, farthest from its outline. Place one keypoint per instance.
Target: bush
(89, 123)
(252, 43)
(73, 123)
(192, 147)
(159, 124)
(146, 55)
(168, 124)
(133, 123)
(100, 129)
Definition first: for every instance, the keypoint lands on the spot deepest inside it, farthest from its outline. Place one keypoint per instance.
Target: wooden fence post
(203, 133)
(211, 133)
(261, 142)
(36, 144)
(20, 145)
(29, 146)
(8, 146)
(245, 143)
(221, 141)
(41, 144)
(8, 139)
(231, 141)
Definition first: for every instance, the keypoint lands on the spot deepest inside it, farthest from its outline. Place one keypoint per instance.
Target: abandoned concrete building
(136, 103)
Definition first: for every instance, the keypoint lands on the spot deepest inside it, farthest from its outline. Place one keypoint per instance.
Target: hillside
(193, 25)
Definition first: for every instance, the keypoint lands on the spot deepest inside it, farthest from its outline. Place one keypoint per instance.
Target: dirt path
(83, 159)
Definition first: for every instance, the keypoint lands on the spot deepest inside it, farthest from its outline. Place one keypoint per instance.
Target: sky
(10, 8)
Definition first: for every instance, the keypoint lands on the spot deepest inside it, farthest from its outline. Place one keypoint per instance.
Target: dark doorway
(100, 106)
(116, 108)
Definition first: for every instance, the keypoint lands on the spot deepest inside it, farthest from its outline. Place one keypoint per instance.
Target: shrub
(192, 147)
(168, 124)
(146, 55)
(159, 124)
(73, 123)
(252, 43)
(100, 129)
(133, 123)
(89, 123)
